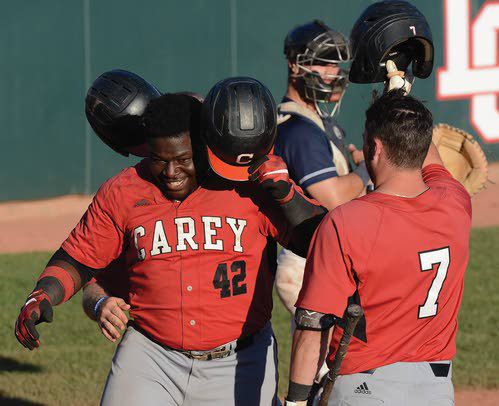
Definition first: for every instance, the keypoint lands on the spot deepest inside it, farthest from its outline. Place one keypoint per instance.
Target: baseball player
(308, 137)
(199, 253)
(401, 253)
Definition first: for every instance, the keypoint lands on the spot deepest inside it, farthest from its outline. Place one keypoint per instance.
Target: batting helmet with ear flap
(393, 30)
(114, 106)
(239, 121)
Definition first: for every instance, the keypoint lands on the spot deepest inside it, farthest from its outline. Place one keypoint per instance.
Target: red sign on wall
(471, 61)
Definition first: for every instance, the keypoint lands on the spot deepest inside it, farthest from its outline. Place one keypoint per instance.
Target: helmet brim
(226, 171)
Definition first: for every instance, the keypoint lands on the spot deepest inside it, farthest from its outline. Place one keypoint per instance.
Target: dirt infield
(42, 226)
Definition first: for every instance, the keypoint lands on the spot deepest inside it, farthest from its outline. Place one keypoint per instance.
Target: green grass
(477, 360)
(71, 366)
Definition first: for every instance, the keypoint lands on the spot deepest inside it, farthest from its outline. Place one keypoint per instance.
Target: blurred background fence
(52, 50)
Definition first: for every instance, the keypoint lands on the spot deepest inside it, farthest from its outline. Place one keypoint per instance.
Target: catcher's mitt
(462, 156)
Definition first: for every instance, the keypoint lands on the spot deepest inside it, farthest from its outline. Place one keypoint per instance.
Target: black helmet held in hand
(393, 30)
(239, 121)
(114, 106)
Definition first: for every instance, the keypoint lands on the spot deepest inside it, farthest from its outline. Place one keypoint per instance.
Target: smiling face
(172, 165)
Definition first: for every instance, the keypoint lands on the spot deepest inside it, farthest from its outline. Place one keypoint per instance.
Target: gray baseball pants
(145, 373)
(399, 384)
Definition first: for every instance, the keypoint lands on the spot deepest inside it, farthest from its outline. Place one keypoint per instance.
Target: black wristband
(298, 392)
(361, 172)
(52, 287)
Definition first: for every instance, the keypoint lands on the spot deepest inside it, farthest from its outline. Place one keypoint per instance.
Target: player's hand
(397, 79)
(272, 174)
(112, 318)
(37, 309)
(357, 155)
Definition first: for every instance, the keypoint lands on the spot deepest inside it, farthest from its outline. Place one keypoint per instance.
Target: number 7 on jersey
(427, 259)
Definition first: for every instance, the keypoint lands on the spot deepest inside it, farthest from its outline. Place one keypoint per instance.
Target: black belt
(439, 370)
(221, 351)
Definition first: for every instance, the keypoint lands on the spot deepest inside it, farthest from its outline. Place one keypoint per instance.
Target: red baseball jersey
(200, 271)
(403, 260)
(114, 278)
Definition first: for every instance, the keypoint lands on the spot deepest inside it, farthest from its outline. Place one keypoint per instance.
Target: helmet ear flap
(114, 105)
(393, 30)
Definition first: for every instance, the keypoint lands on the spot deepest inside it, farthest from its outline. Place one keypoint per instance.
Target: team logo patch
(142, 202)
(363, 389)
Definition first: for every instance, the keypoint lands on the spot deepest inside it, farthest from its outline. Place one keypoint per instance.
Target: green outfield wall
(52, 50)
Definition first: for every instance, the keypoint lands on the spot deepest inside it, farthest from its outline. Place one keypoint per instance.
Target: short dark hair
(403, 124)
(170, 115)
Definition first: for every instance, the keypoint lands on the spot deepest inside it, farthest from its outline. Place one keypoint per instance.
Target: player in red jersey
(200, 257)
(400, 252)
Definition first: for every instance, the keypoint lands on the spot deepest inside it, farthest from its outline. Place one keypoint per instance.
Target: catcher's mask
(239, 120)
(315, 44)
(114, 106)
(393, 30)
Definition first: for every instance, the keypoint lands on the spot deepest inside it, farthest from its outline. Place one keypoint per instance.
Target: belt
(222, 351)
(439, 370)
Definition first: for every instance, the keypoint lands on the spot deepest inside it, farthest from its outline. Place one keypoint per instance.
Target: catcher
(460, 154)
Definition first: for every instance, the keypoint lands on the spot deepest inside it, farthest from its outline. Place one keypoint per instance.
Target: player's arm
(73, 264)
(303, 215)
(109, 311)
(327, 284)
(60, 280)
(334, 191)
(308, 352)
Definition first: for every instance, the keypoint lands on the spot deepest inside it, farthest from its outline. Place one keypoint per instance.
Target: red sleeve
(328, 281)
(436, 175)
(98, 237)
(275, 225)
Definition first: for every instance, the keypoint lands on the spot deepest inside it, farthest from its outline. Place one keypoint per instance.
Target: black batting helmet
(393, 30)
(239, 125)
(114, 106)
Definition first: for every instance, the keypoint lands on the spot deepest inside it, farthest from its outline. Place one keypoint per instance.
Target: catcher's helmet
(315, 43)
(114, 106)
(393, 30)
(239, 125)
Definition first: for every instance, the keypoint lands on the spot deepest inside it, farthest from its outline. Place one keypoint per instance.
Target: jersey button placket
(189, 282)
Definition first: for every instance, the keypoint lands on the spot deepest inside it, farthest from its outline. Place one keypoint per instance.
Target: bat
(354, 313)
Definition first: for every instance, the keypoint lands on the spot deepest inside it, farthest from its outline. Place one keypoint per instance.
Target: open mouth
(173, 184)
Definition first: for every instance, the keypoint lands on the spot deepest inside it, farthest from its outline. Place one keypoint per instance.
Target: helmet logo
(244, 158)
(413, 29)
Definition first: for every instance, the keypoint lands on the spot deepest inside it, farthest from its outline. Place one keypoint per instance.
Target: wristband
(64, 289)
(97, 305)
(361, 172)
(298, 392)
